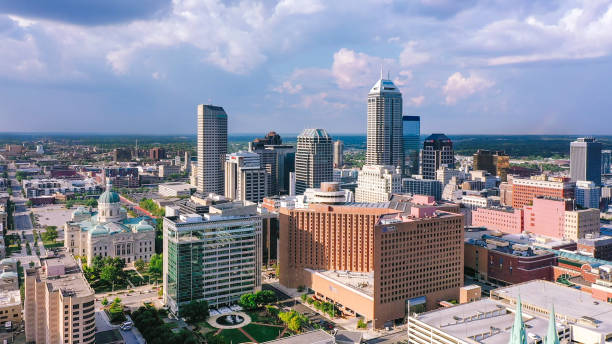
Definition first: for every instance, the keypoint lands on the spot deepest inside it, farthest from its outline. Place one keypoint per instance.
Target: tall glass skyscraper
(585, 160)
(412, 138)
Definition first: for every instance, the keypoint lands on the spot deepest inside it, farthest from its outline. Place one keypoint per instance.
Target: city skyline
(140, 65)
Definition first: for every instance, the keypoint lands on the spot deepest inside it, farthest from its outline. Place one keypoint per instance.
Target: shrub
(361, 324)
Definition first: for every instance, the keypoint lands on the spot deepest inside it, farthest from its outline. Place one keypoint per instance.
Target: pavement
(132, 336)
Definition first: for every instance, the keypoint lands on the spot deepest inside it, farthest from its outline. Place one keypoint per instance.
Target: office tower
(120, 155)
(348, 254)
(588, 194)
(212, 147)
(187, 163)
(59, 303)
(585, 160)
(245, 179)
(412, 143)
(496, 163)
(437, 151)
(525, 190)
(157, 153)
(422, 187)
(606, 161)
(385, 142)
(338, 154)
(313, 159)
(277, 158)
(376, 183)
(213, 257)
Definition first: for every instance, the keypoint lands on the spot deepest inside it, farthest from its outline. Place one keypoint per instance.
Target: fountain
(230, 320)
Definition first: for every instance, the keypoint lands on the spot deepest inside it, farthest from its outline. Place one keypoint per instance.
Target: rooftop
(10, 298)
(312, 337)
(360, 281)
(315, 133)
(61, 272)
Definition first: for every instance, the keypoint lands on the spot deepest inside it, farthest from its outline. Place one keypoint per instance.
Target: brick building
(370, 259)
(505, 220)
(525, 190)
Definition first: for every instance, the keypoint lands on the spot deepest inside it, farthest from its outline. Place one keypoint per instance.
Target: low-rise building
(175, 189)
(473, 201)
(165, 171)
(422, 187)
(59, 303)
(595, 246)
(50, 186)
(503, 219)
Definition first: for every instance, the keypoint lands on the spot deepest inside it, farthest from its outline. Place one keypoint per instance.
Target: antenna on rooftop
(388, 77)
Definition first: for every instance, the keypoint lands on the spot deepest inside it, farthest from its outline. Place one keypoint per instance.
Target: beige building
(10, 307)
(59, 303)
(108, 232)
(245, 179)
(376, 183)
(579, 223)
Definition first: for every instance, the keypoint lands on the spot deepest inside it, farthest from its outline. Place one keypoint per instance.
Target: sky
(466, 67)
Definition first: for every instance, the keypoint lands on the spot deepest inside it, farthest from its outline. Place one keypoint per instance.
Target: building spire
(381, 72)
(518, 335)
(552, 337)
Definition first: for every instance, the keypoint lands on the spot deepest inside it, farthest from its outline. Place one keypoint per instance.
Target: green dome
(108, 197)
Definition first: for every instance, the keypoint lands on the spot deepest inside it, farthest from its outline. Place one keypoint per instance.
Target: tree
(69, 204)
(104, 301)
(50, 233)
(140, 265)
(264, 297)
(109, 273)
(156, 264)
(91, 202)
(195, 311)
(295, 324)
(361, 324)
(29, 203)
(248, 301)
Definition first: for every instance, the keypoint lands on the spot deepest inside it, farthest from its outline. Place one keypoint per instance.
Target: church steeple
(552, 337)
(518, 334)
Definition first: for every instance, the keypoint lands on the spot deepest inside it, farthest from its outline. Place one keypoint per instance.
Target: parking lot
(52, 215)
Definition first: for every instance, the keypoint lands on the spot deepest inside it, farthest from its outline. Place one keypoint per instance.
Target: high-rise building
(588, 194)
(313, 159)
(212, 147)
(585, 160)
(245, 179)
(423, 187)
(376, 183)
(606, 161)
(338, 154)
(525, 190)
(213, 257)
(412, 143)
(187, 162)
(59, 303)
(496, 163)
(348, 255)
(385, 142)
(437, 151)
(277, 158)
(157, 153)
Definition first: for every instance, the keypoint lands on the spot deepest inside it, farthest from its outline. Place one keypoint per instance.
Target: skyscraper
(412, 137)
(338, 154)
(212, 147)
(437, 151)
(494, 162)
(606, 161)
(245, 178)
(277, 158)
(385, 142)
(585, 160)
(313, 159)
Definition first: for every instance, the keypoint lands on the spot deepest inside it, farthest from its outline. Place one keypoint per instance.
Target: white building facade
(376, 183)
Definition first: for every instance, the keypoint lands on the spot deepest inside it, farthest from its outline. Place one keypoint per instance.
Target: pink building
(505, 220)
(546, 217)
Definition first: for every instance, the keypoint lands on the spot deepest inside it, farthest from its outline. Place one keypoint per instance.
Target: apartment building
(59, 303)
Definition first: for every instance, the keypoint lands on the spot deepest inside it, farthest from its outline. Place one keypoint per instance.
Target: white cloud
(417, 101)
(291, 7)
(352, 69)
(393, 39)
(410, 57)
(458, 87)
(288, 87)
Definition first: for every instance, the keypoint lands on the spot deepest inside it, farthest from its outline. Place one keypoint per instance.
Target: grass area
(134, 278)
(53, 244)
(234, 336)
(205, 327)
(263, 317)
(101, 286)
(263, 333)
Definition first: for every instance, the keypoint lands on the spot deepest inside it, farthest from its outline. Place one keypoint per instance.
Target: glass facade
(212, 260)
(412, 138)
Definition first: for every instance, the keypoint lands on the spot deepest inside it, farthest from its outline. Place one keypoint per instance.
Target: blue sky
(467, 67)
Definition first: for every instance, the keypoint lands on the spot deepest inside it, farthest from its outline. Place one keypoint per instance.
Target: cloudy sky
(467, 67)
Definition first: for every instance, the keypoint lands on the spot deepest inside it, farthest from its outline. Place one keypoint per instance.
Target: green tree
(104, 301)
(361, 324)
(69, 204)
(91, 202)
(29, 203)
(140, 265)
(109, 273)
(195, 311)
(50, 233)
(156, 265)
(264, 297)
(248, 301)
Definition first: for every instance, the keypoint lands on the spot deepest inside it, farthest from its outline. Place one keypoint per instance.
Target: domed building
(108, 232)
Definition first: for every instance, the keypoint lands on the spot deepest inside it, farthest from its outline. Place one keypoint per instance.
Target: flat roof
(484, 316)
(569, 302)
(10, 298)
(72, 282)
(360, 281)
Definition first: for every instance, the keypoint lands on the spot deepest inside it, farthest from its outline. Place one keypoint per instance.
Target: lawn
(134, 278)
(101, 286)
(263, 333)
(262, 317)
(205, 327)
(53, 244)
(234, 336)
